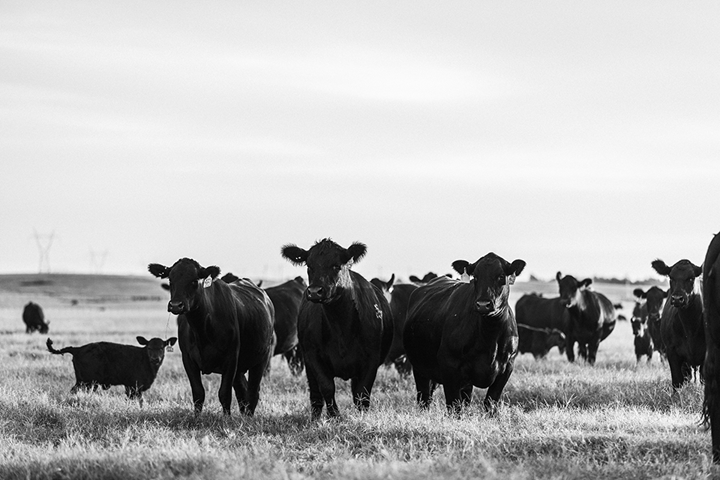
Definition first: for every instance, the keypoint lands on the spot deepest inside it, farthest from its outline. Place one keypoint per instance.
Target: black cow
(537, 312)
(539, 341)
(681, 323)
(106, 364)
(643, 341)
(463, 334)
(286, 299)
(345, 324)
(711, 304)
(34, 319)
(223, 328)
(654, 298)
(398, 294)
(591, 317)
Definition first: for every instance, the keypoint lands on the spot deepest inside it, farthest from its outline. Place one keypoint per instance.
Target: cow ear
(515, 268)
(170, 341)
(697, 270)
(296, 255)
(357, 251)
(660, 267)
(461, 266)
(585, 283)
(213, 271)
(639, 293)
(558, 276)
(391, 281)
(141, 340)
(165, 286)
(160, 271)
(415, 279)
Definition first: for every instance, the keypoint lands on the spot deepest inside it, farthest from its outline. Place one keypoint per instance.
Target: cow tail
(58, 352)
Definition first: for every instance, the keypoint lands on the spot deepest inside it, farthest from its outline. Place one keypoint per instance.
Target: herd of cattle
(458, 333)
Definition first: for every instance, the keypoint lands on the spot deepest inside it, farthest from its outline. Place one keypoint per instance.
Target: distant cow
(711, 303)
(464, 335)
(286, 299)
(537, 312)
(591, 316)
(539, 341)
(222, 328)
(34, 318)
(399, 296)
(106, 364)
(654, 298)
(681, 323)
(643, 342)
(345, 324)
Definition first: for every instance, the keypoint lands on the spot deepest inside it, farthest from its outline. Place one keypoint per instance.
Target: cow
(345, 325)
(222, 328)
(398, 295)
(534, 311)
(591, 316)
(286, 299)
(106, 364)
(681, 322)
(539, 341)
(711, 312)
(654, 298)
(643, 341)
(425, 279)
(463, 334)
(34, 319)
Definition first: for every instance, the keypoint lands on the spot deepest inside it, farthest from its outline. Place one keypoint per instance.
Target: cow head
(654, 298)
(491, 280)
(328, 267)
(44, 327)
(385, 287)
(682, 280)
(186, 284)
(570, 289)
(155, 348)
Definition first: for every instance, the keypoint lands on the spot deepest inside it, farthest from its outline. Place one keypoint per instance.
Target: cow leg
(452, 386)
(466, 395)
(592, 351)
(294, 360)
(424, 388)
(570, 348)
(676, 370)
(255, 376)
(362, 388)
(322, 390)
(495, 390)
(240, 385)
(198, 391)
(403, 366)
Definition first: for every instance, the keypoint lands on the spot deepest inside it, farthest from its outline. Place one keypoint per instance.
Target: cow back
(539, 312)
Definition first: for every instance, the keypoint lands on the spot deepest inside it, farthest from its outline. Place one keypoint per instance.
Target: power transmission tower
(97, 260)
(44, 242)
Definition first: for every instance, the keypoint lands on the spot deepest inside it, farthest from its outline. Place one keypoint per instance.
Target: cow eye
(336, 268)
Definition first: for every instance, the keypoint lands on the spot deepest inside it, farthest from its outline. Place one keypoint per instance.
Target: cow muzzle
(176, 308)
(679, 301)
(484, 307)
(315, 294)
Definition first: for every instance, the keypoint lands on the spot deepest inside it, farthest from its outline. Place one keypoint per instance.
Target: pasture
(557, 420)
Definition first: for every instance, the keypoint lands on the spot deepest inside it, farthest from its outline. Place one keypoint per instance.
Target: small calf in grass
(106, 364)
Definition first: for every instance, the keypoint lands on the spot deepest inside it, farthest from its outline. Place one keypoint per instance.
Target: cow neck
(340, 310)
(582, 308)
(196, 317)
(691, 318)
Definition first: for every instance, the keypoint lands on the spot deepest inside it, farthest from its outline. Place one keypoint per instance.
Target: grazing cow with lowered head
(591, 316)
(34, 318)
(539, 341)
(398, 295)
(106, 364)
(222, 328)
(345, 324)
(654, 298)
(681, 323)
(643, 342)
(536, 312)
(463, 334)
(286, 299)
(711, 304)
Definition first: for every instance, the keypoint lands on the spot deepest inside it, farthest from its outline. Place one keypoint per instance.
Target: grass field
(557, 420)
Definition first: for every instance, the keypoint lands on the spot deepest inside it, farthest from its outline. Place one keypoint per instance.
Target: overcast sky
(578, 136)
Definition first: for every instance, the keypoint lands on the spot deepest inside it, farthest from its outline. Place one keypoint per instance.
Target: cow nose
(314, 292)
(484, 306)
(677, 301)
(176, 308)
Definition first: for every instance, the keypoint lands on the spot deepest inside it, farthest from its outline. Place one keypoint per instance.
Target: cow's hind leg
(240, 385)
(424, 388)
(492, 398)
(255, 376)
(322, 391)
(362, 388)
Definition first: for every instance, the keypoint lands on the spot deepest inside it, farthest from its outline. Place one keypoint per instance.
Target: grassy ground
(558, 420)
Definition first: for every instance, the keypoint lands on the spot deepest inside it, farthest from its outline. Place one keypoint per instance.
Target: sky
(581, 137)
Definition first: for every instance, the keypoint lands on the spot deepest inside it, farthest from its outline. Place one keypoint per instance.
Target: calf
(106, 364)
(34, 319)
(533, 311)
(711, 304)
(681, 323)
(398, 295)
(345, 325)
(643, 342)
(222, 328)
(463, 334)
(653, 298)
(539, 341)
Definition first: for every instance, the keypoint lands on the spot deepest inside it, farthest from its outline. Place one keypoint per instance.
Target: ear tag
(511, 279)
(169, 349)
(207, 282)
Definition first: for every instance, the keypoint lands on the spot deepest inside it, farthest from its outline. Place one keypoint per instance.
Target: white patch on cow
(169, 348)
(511, 279)
(378, 312)
(465, 277)
(207, 282)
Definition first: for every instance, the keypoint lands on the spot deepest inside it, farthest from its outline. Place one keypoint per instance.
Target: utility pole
(44, 242)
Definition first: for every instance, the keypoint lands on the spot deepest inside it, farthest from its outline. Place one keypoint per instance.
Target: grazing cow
(591, 316)
(643, 342)
(535, 311)
(398, 295)
(345, 324)
(34, 318)
(286, 299)
(539, 341)
(654, 298)
(711, 304)
(106, 364)
(463, 334)
(222, 328)
(681, 323)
